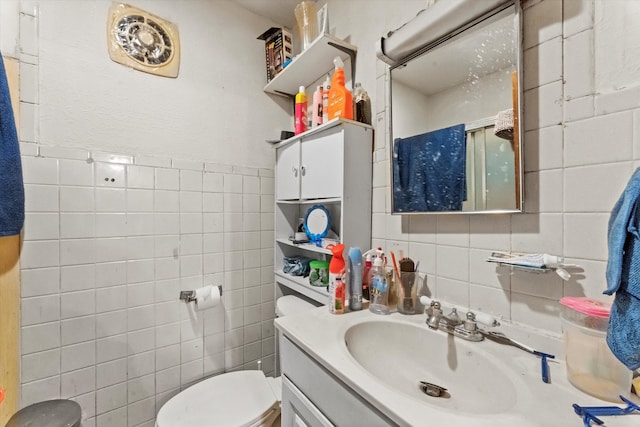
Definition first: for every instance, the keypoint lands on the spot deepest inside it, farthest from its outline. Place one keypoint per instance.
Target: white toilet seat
(288, 305)
(234, 399)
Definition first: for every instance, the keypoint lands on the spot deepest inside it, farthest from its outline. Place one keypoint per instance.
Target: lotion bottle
(300, 123)
(336, 286)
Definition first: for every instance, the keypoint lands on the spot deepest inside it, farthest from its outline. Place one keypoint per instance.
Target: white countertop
(321, 335)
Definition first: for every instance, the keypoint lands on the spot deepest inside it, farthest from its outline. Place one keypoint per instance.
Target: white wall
(475, 102)
(215, 110)
(9, 27)
(138, 187)
(580, 150)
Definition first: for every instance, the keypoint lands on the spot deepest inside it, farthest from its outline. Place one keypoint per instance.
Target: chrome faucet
(452, 323)
(436, 316)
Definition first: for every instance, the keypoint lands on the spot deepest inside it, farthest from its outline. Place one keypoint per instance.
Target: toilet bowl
(233, 399)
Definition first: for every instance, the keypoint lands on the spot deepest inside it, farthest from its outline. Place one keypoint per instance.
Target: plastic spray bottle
(336, 285)
(355, 279)
(300, 123)
(340, 99)
(379, 290)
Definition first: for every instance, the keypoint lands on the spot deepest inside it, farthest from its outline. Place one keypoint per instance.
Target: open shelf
(536, 270)
(301, 285)
(309, 201)
(311, 65)
(305, 246)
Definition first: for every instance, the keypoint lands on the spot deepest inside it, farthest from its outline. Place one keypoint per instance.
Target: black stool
(50, 413)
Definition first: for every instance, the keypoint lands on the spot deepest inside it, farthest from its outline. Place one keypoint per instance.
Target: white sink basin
(402, 354)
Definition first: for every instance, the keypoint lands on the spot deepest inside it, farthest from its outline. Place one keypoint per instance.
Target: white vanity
(361, 369)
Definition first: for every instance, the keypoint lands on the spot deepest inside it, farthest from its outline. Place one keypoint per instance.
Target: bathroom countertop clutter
(379, 358)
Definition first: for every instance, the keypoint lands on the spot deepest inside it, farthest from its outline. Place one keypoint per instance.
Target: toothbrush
(395, 264)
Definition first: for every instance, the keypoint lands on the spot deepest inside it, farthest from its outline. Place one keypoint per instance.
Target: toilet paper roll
(207, 297)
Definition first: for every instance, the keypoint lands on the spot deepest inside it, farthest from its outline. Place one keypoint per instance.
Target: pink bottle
(317, 107)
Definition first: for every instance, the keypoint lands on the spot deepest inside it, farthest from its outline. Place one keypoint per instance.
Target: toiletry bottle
(340, 99)
(363, 104)
(317, 107)
(325, 100)
(379, 291)
(336, 287)
(365, 275)
(300, 124)
(355, 279)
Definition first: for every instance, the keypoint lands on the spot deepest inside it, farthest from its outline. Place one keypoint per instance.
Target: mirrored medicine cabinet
(455, 116)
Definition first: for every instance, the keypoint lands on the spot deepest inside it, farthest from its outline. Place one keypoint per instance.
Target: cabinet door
(298, 410)
(288, 172)
(321, 165)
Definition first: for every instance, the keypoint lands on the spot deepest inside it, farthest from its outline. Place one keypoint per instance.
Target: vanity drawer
(298, 410)
(339, 404)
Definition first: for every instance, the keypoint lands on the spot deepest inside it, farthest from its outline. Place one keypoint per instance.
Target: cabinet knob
(303, 170)
(294, 170)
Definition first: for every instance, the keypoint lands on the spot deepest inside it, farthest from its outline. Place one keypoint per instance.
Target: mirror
(455, 133)
(317, 223)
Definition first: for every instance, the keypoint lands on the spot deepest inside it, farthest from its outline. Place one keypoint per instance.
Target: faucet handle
(486, 319)
(470, 324)
(426, 301)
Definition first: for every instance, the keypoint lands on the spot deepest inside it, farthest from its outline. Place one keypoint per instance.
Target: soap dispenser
(379, 291)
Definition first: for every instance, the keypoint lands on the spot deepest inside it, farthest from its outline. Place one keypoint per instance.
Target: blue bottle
(355, 279)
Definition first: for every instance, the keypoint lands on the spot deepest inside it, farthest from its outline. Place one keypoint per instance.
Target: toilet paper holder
(190, 296)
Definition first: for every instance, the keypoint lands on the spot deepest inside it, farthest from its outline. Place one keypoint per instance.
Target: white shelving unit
(330, 165)
(310, 65)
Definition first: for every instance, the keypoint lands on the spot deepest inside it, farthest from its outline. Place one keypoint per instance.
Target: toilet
(233, 399)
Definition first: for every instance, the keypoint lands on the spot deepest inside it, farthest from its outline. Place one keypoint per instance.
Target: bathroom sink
(403, 354)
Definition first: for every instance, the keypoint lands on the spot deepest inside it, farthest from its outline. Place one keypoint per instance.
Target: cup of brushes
(406, 274)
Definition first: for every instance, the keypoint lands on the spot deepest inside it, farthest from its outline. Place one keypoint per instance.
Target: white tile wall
(107, 248)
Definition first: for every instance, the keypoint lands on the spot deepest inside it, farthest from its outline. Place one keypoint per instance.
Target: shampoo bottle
(355, 279)
(300, 124)
(317, 107)
(340, 99)
(336, 286)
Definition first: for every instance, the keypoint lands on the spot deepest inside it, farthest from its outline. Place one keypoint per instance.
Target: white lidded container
(591, 366)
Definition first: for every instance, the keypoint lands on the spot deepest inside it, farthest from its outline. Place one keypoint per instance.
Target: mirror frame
(518, 118)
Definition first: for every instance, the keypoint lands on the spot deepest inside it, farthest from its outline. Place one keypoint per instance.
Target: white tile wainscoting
(109, 241)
